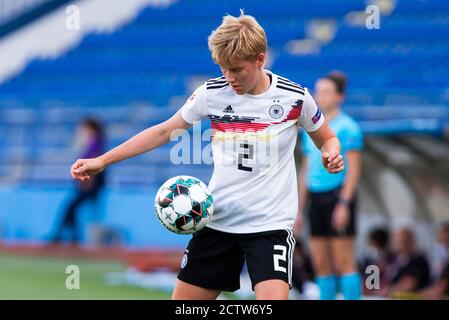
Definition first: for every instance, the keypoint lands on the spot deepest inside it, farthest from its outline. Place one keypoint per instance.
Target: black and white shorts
(214, 259)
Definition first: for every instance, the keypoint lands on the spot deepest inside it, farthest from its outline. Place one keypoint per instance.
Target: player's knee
(195, 295)
(272, 290)
(179, 294)
(272, 296)
(186, 291)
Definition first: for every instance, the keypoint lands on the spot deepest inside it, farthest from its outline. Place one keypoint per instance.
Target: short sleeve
(311, 117)
(195, 107)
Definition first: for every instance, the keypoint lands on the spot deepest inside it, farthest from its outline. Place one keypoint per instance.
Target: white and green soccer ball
(184, 204)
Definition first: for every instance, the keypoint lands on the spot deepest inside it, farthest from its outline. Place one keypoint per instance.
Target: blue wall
(32, 213)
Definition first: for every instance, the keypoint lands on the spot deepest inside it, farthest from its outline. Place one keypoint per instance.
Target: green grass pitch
(45, 278)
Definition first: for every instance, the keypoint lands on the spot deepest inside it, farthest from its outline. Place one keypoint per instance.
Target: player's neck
(262, 85)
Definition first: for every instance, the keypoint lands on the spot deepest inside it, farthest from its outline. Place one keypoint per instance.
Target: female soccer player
(332, 197)
(252, 111)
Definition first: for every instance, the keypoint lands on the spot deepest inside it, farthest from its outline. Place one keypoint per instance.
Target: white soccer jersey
(254, 182)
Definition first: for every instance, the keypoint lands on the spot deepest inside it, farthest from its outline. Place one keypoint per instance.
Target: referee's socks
(328, 287)
(351, 286)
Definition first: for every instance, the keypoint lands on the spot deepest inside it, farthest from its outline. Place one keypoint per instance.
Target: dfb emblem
(276, 111)
(184, 260)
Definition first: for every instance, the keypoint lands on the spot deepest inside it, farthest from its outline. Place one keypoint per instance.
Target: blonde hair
(239, 38)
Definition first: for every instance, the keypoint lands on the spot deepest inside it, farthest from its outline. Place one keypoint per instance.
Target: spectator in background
(440, 288)
(441, 251)
(410, 271)
(302, 267)
(92, 142)
(332, 197)
(379, 254)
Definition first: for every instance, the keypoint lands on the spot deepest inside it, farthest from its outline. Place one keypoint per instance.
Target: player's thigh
(343, 254)
(320, 252)
(187, 291)
(269, 255)
(272, 290)
(212, 260)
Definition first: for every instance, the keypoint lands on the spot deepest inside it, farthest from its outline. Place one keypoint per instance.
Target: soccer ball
(184, 204)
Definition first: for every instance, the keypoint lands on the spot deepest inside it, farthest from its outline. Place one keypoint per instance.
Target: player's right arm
(146, 140)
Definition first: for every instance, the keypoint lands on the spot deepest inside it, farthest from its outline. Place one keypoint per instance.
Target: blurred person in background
(439, 290)
(302, 267)
(91, 140)
(379, 254)
(440, 269)
(332, 197)
(441, 250)
(410, 271)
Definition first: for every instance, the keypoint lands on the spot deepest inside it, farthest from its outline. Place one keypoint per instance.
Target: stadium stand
(140, 74)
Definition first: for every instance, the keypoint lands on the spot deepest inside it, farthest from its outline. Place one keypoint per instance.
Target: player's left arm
(326, 140)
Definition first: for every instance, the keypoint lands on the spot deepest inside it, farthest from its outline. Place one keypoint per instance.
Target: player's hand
(84, 169)
(333, 163)
(298, 224)
(340, 217)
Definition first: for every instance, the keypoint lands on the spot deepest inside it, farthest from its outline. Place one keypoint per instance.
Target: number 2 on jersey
(247, 152)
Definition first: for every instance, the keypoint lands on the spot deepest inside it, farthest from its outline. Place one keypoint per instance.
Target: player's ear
(260, 60)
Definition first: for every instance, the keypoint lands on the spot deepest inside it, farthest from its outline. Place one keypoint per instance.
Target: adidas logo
(228, 109)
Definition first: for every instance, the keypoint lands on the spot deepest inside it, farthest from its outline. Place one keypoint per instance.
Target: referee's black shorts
(321, 207)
